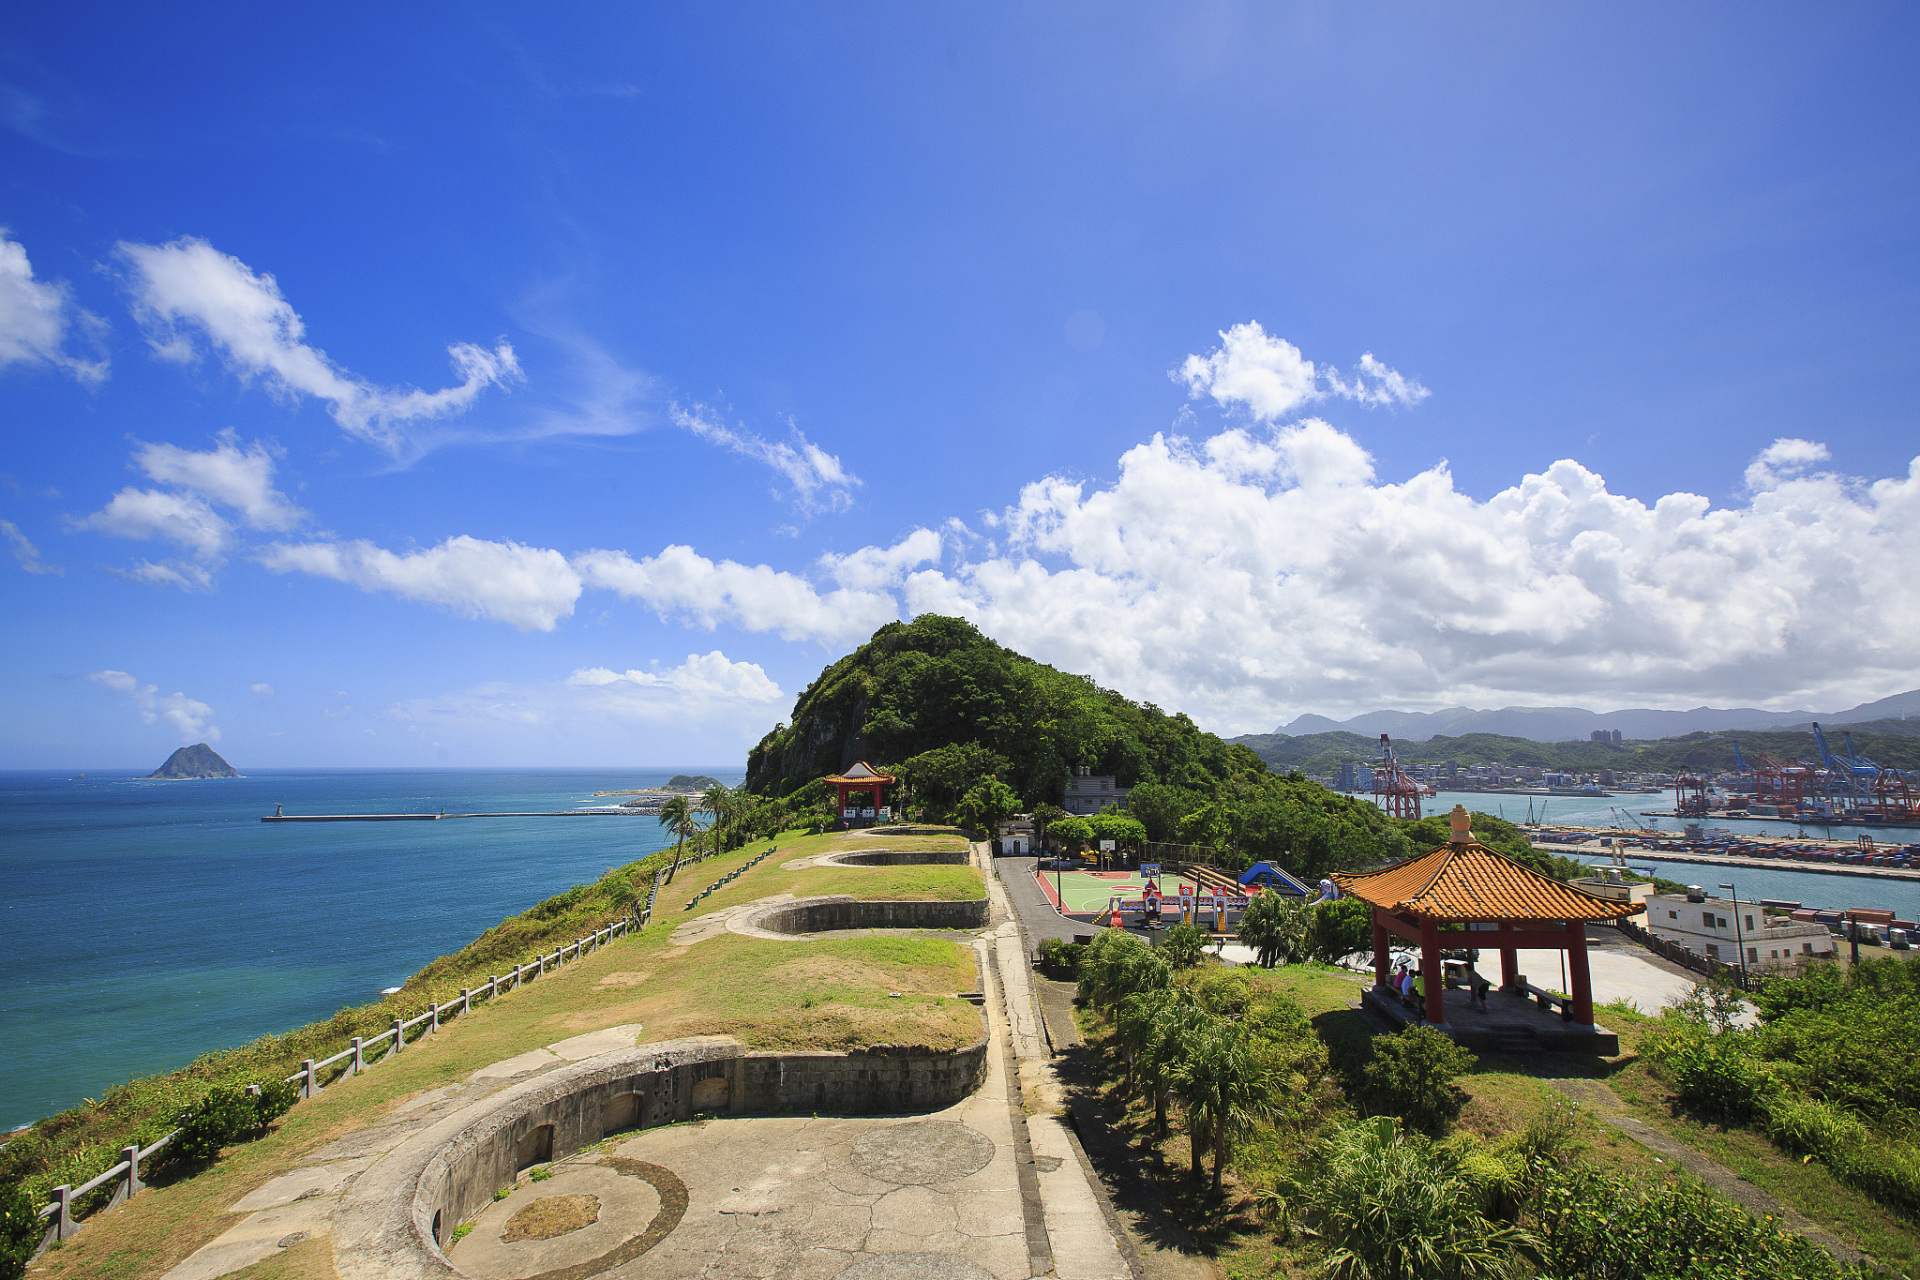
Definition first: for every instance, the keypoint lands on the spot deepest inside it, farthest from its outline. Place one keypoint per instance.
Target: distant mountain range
(1562, 724)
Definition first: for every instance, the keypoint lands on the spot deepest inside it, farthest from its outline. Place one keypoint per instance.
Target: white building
(1718, 927)
(1089, 794)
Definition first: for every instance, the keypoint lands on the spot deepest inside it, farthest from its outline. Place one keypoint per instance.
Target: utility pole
(1740, 942)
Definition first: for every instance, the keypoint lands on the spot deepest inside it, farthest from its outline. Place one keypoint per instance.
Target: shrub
(276, 1099)
(1184, 946)
(1340, 928)
(1060, 956)
(20, 1231)
(1390, 1206)
(1602, 1227)
(1277, 928)
(217, 1120)
(1410, 1074)
(1716, 1072)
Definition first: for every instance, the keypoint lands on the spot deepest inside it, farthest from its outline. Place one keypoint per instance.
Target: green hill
(945, 707)
(1888, 742)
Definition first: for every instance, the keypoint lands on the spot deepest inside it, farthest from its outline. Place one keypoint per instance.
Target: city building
(1718, 927)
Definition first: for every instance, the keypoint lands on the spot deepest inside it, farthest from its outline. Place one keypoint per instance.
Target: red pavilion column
(1579, 975)
(1509, 961)
(1430, 974)
(1382, 961)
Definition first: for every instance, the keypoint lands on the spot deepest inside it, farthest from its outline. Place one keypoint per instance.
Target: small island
(196, 761)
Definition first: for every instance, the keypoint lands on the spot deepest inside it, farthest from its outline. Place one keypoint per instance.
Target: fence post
(466, 1001)
(307, 1086)
(132, 1156)
(493, 985)
(359, 1063)
(62, 1212)
(433, 1011)
(399, 1036)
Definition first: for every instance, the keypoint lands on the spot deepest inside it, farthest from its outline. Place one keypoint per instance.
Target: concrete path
(993, 1187)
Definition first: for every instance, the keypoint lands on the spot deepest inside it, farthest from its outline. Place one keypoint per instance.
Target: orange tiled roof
(1469, 881)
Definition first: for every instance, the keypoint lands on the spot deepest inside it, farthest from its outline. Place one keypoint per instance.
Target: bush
(20, 1231)
(218, 1120)
(1390, 1206)
(276, 1099)
(1060, 956)
(1410, 1074)
(1340, 928)
(1277, 928)
(1184, 946)
(1717, 1073)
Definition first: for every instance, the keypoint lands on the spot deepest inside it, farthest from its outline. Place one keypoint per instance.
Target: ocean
(146, 923)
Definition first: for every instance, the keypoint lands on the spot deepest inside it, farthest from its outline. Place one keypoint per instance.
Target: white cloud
(819, 481)
(35, 316)
(1270, 378)
(145, 514)
(262, 690)
(712, 677)
(679, 582)
(189, 717)
(184, 574)
(227, 474)
(188, 287)
(710, 700)
(1783, 460)
(526, 587)
(25, 552)
(874, 567)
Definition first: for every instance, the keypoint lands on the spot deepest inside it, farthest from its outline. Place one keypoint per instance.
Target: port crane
(1394, 789)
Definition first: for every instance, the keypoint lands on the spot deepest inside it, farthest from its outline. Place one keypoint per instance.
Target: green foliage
(1117, 827)
(1159, 807)
(1278, 928)
(941, 777)
(1184, 946)
(1607, 1227)
(20, 1231)
(1075, 833)
(1390, 1206)
(1116, 965)
(1338, 929)
(218, 1120)
(1410, 1075)
(276, 1098)
(1060, 956)
(990, 802)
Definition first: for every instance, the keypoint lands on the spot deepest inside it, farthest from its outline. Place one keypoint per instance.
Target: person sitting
(1477, 987)
(1417, 992)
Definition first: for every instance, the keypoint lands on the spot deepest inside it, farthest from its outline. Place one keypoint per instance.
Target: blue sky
(449, 385)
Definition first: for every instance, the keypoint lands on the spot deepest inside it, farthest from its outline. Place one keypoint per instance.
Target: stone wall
(819, 915)
(898, 858)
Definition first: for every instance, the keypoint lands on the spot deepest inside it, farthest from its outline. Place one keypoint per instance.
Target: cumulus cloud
(681, 583)
(227, 474)
(818, 480)
(874, 567)
(1268, 376)
(189, 717)
(36, 316)
(25, 552)
(145, 514)
(187, 288)
(1783, 460)
(707, 703)
(526, 587)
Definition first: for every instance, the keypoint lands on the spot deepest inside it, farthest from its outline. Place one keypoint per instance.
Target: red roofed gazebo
(1464, 894)
(860, 778)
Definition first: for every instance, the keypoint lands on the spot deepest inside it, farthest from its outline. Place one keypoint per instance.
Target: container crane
(1394, 789)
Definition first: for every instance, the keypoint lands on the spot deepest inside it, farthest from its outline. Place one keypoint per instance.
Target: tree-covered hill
(1888, 742)
(951, 711)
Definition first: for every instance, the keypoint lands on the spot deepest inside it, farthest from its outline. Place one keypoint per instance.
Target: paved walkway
(992, 1188)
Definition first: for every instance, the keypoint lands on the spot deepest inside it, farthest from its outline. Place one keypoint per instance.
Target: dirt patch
(843, 1028)
(553, 1216)
(625, 978)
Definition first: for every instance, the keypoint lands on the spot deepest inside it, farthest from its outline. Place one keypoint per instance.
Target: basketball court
(1086, 893)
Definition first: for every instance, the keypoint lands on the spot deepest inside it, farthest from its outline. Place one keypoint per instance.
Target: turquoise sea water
(145, 923)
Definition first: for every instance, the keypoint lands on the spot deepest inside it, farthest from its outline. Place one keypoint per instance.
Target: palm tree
(719, 801)
(677, 816)
(1223, 1089)
(1162, 1024)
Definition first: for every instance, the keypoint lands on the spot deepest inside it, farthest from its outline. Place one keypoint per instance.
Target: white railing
(63, 1218)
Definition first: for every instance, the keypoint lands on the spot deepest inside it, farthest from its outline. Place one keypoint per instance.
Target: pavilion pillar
(1430, 975)
(1509, 961)
(1382, 960)
(1579, 975)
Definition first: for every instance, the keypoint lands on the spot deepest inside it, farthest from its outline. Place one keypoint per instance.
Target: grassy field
(830, 994)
